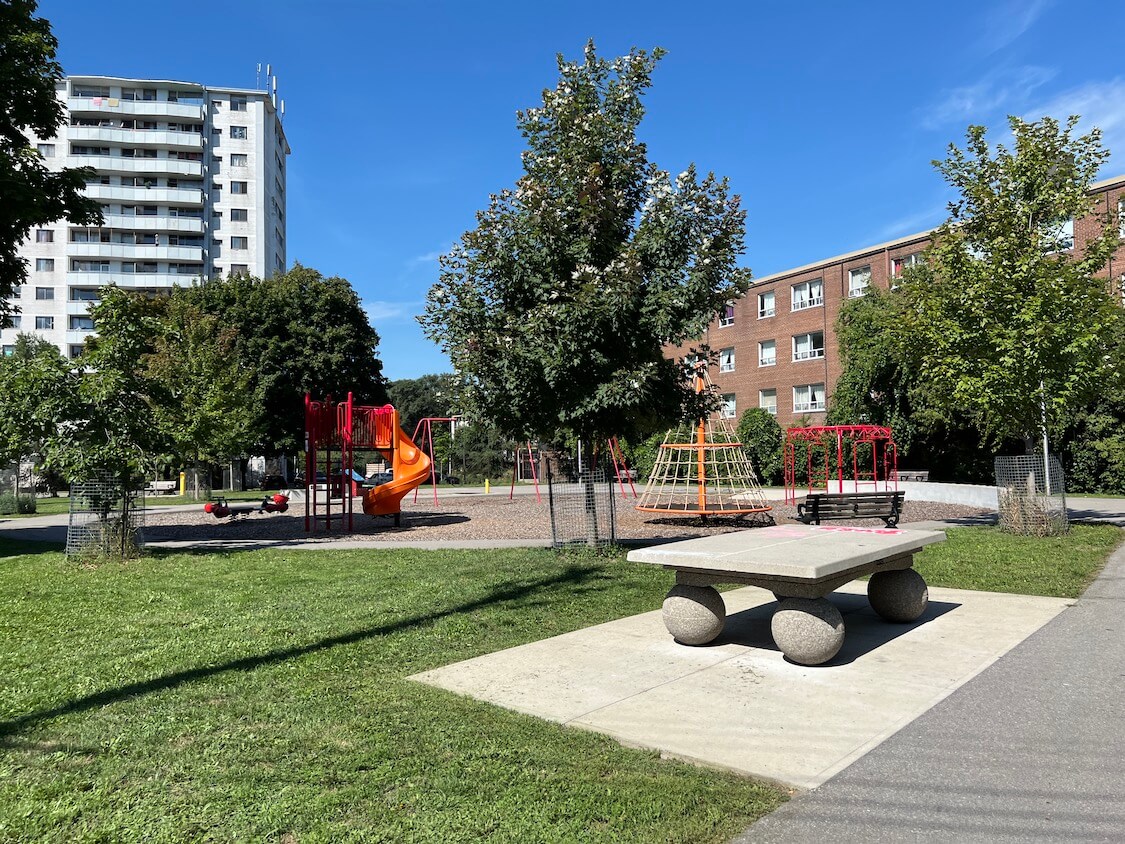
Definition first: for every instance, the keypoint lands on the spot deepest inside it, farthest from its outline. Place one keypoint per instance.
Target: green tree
(200, 392)
(298, 332)
(31, 194)
(38, 398)
(762, 439)
(1011, 324)
(556, 308)
(417, 398)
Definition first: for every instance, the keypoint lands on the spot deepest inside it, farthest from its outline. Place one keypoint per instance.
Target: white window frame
(726, 359)
(812, 353)
(810, 300)
(902, 262)
(806, 402)
(763, 360)
(729, 407)
(765, 311)
(768, 406)
(859, 280)
(726, 316)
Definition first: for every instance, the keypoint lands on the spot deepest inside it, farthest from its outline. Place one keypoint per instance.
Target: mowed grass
(262, 696)
(990, 560)
(54, 506)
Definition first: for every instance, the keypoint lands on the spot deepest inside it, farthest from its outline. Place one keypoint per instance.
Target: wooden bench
(161, 487)
(825, 506)
(922, 475)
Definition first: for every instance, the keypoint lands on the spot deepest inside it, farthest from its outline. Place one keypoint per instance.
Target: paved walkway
(1033, 749)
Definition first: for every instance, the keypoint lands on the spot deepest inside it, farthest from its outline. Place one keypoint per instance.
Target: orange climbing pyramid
(701, 469)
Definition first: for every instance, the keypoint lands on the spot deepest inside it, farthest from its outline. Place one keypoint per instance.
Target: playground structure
(220, 508)
(424, 437)
(831, 442)
(334, 431)
(701, 470)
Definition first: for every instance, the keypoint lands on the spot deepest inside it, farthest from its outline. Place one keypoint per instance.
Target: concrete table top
(790, 552)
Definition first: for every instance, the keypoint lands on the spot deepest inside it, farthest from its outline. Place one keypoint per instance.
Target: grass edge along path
(262, 695)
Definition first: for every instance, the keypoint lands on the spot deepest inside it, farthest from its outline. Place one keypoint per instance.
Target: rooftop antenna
(283, 111)
(258, 77)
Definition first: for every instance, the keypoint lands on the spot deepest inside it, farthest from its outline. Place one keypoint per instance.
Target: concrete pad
(737, 703)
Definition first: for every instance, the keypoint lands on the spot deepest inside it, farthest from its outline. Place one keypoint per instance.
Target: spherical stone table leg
(694, 615)
(899, 595)
(808, 630)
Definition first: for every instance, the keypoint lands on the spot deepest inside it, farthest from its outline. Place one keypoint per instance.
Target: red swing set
(825, 447)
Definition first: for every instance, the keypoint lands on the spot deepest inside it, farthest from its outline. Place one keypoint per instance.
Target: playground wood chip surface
(479, 517)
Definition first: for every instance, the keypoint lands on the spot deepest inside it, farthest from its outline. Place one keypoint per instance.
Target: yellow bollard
(487, 487)
(183, 483)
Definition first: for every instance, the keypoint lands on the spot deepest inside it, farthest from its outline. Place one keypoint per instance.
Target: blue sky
(824, 115)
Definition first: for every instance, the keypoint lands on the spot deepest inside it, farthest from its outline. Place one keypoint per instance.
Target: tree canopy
(1011, 324)
(556, 308)
(31, 194)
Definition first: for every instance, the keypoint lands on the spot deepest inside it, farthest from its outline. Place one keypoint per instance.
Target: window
(42, 293)
(238, 187)
(239, 269)
(16, 321)
(808, 294)
(216, 132)
(7, 351)
(89, 236)
(767, 353)
(44, 236)
(75, 351)
(767, 401)
(238, 159)
(45, 265)
(216, 165)
(898, 265)
(77, 266)
(83, 294)
(238, 103)
(238, 132)
(729, 407)
(808, 346)
(858, 281)
(239, 215)
(1060, 236)
(46, 150)
(726, 360)
(81, 323)
(216, 187)
(44, 323)
(808, 398)
(1121, 218)
(766, 305)
(240, 243)
(80, 90)
(726, 318)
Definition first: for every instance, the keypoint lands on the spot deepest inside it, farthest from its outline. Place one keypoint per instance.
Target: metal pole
(1046, 461)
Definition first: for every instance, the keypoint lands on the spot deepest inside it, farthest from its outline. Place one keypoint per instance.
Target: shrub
(10, 505)
(762, 440)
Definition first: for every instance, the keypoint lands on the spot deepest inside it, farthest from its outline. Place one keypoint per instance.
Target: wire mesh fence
(1032, 494)
(582, 511)
(106, 518)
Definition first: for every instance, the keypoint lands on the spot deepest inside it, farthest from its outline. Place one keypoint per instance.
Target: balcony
(80, 308)
(130, 280)
(193, 225)
(144, 108)
(146, 196)
(133, 252)
(121, 164)
(135, 137)
(77, 338)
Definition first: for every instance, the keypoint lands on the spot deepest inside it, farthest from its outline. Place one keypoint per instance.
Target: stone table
(800, 564)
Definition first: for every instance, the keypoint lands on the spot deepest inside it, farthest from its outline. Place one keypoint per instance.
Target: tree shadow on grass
(574, 575)
(22, 547)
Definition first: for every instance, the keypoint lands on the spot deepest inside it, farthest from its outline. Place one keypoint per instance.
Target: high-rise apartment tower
(192, 185)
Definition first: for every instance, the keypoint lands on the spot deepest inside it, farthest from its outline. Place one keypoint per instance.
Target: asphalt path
(1033, 749)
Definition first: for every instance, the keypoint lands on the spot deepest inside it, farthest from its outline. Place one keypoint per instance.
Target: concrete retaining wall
(971, 495)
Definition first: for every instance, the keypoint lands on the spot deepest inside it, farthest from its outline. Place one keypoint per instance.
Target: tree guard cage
(333, 431)
(825, 455)
(701, 469)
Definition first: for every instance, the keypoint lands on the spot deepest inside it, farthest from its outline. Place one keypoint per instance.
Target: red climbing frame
(831, 441)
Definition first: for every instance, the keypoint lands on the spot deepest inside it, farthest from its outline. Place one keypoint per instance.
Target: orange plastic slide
(410, 465)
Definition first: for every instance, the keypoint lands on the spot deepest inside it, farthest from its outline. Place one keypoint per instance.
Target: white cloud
(1008, 21)
(911, 224)
(1001, 91)
(1100, 104)
(380, 311)
(428, 258)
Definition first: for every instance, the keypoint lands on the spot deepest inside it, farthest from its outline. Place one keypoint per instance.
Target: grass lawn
(54, 506)
(262, 696)
(990, 560)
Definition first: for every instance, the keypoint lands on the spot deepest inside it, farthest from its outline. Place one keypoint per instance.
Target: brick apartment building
(777, 344)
